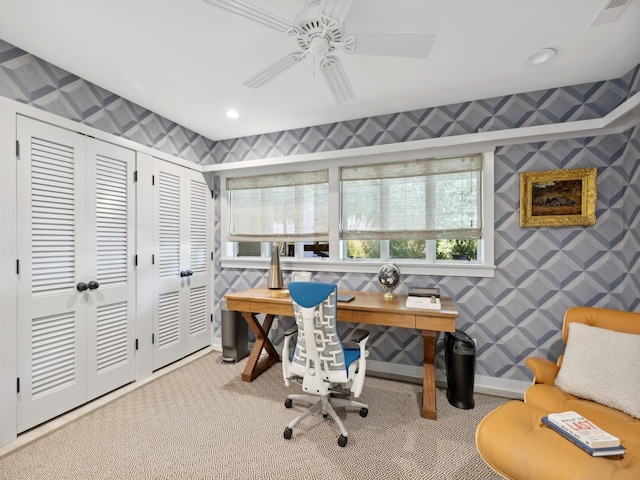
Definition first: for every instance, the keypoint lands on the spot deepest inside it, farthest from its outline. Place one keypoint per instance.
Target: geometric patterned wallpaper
(540, 271)
(30, 80)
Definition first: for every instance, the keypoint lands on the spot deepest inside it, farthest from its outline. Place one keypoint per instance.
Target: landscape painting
(558, 198)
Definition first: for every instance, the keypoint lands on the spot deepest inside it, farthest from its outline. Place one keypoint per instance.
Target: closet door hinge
(135, 176)
(136, 344)
(212, 318)
(153, 179)
(135, 260)
(153, 339)
(211, 193)
(17, 150)
(18, 385)
(153, 259)
(18, 267)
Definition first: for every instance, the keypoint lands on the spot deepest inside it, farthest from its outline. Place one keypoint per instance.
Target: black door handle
(93, 285)
(183, 273)
(81, 287)
(189, 273)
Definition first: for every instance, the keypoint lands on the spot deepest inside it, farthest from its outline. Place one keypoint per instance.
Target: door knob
(183, 273)
(93, 285)
(189, 273)
(81, 287)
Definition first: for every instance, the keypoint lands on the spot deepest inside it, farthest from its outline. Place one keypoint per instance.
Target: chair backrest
(617, 320)
(318, 350)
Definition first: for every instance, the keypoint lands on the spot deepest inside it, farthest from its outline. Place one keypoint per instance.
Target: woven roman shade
(422, 199)
(291, 206)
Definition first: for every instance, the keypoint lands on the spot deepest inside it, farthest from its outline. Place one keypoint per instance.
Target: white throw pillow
(602, 365)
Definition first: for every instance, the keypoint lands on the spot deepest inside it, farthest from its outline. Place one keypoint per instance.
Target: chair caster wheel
(342, 440)
(287, 433)
(364, 412)
(325, 415)
(288, 403)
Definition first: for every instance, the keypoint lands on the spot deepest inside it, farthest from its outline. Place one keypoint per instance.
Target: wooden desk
(368, 308)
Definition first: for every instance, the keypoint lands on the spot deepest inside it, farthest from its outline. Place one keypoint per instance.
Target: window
(425, 215)
(426, 199)
(291, 206)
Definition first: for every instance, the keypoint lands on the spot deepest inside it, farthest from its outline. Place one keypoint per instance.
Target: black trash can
(235, 342)
(460, 360)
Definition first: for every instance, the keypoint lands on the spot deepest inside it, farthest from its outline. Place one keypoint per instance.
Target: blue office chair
(320, 362)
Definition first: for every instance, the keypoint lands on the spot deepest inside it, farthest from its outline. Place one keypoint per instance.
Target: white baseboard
(500, 387)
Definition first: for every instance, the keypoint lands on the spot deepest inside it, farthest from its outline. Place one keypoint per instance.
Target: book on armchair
(583, 433)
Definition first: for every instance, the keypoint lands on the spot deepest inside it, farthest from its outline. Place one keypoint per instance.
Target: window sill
(453, 268)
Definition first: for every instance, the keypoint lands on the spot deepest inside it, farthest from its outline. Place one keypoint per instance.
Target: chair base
(324, 404)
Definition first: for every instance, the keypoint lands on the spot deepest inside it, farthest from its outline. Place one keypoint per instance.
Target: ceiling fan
(319, 32)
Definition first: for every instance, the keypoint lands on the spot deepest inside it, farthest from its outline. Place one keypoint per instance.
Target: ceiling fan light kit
(319, 31)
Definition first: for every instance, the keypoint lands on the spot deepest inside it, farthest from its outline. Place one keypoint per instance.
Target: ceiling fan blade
(337, 9)
(336, 79)
(246, 10)
(415, 45)
(273, 70)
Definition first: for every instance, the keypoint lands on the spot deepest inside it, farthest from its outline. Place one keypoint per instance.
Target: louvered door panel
(113, 333)
(54, 355)
(169, 319)
(169, 224)
(110, 310)
(170, 238)
(53, 220)
(52, 349)
(112, 212)
(200, 245)
(198, 212)
(197, 311)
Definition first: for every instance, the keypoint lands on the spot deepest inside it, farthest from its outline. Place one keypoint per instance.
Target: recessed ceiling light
(540, 56)
(232, 114)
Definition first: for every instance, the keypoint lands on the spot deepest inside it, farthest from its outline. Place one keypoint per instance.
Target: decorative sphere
(389, 277)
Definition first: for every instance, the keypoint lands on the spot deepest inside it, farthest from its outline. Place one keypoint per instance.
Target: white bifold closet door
(182, 276)
(76, 293)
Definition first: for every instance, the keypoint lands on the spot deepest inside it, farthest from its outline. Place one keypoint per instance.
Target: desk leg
(429, 409)
(256, 364)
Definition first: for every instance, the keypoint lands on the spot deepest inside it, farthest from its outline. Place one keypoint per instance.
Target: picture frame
(558, 198)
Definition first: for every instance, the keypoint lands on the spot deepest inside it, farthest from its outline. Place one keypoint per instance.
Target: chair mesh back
(326, 339)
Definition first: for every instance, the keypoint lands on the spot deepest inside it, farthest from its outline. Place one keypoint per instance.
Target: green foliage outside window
(414, 249)
(450, 249)
(363, 249)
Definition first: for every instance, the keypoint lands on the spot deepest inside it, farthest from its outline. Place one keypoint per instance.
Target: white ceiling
(186, 60)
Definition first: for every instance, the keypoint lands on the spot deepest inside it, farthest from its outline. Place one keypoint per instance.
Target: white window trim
(481, 268)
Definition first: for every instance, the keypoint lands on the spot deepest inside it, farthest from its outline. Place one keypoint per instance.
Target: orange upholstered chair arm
(544, 370)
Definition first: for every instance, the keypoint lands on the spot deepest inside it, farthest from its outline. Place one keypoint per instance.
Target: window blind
(291, 206)
(421, 199)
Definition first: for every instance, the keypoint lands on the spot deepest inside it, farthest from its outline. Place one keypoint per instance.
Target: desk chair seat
(320, 362)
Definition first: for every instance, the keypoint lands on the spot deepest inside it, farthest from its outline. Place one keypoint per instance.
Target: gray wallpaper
(30, 80)
(540, 272)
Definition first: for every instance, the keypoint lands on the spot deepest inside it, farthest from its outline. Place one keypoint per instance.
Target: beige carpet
(202, 422)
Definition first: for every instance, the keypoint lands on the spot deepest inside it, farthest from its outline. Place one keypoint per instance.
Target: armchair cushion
(602, 365)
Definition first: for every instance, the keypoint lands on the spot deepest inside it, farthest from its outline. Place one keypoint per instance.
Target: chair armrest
(286, 356)
(544, 370)
(359, 334)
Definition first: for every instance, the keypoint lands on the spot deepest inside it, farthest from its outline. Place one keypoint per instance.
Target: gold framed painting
(558, 198)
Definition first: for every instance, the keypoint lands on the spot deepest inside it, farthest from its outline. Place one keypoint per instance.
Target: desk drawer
(385, 318)
(436, 323)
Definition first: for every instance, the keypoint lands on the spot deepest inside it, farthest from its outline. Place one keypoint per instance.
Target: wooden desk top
(367, 307)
